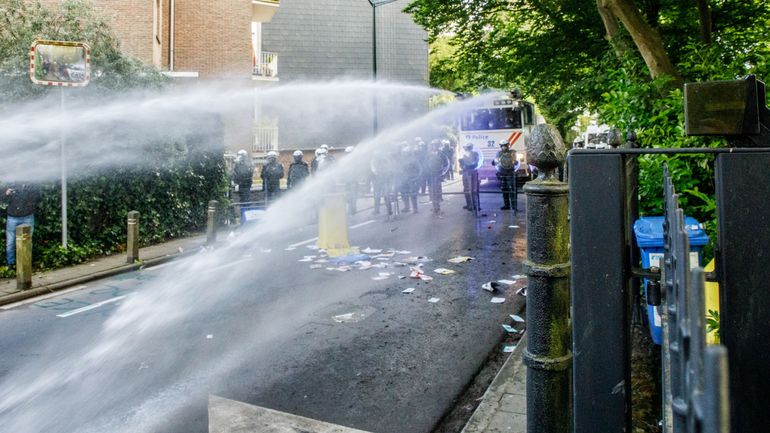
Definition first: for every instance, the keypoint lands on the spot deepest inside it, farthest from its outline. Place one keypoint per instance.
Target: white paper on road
(209, 337)
(316, 266)
(379, 278)
(368, 250)
(382, 258)
(506, 282)
(497, 300)
(488, 287)
(509, 349)
(433, 300)
(513, 227)
(509, 328)
(426, 277)
(517, 318)
(312, 247)
(349, 317)
(290, 248)
(408, 290)
(402, 277)
(522, 291)
(305, 260)
(460, 259)
(519, 277)
(385, 274)
(403, 252)
(443, 271)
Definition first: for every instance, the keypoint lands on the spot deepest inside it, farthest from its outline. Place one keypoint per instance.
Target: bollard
(132, 237)
(23, 257)
(211, 227)
(548, 357)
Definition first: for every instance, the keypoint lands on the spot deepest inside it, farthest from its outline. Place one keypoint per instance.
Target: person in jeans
(21, 199)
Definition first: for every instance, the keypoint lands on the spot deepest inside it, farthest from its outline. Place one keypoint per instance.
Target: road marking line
(365, 223)
(41, 298)
(90, 307)
(299, 244)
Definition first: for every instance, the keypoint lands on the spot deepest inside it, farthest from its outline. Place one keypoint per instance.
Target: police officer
(411, 173)
(351, 185)
(436, 166)
(469, 165)
(298, 170)
(272, 173)
(383, 167)
(421, 154)
(506, 164)
(243, 173)
(448, 149)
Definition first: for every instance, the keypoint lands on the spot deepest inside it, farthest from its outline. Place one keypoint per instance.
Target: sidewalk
(504, 405)
(58, 279)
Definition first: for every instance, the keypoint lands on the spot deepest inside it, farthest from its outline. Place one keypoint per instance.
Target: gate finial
(546, 150)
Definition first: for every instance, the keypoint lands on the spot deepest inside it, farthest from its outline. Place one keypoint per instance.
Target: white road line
(299, 244)
(41, 298)
(365, 223)
(90, 307)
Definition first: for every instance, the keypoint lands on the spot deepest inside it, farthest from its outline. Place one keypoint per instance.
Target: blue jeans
(10, 235)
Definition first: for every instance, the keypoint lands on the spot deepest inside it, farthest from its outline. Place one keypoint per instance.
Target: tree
(24, 21)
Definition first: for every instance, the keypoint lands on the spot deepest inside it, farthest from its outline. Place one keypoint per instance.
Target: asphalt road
(142, 351)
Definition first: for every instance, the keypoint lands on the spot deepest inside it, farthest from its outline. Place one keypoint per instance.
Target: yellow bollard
(333, 226)
(23, 257)
(712, 301)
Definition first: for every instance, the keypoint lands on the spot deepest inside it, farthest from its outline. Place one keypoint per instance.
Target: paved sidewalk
(504, 405)
(58, 279)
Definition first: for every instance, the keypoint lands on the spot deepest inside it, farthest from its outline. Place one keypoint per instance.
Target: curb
(61, 285)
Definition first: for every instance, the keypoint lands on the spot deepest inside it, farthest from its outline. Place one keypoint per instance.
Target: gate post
(548, 357)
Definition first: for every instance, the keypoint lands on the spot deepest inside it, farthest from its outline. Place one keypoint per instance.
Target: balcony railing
(265, 139)
(266, 65)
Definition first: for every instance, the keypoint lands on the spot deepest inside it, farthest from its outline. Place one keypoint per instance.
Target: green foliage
(712, 323)
(171, 182)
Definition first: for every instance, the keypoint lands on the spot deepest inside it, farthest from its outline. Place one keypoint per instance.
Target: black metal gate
(606, 274)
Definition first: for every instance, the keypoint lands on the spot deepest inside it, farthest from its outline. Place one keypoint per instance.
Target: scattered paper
(426, 277)
(460, 259)
(522, 291)
(509, 328)
(403, 252)
(444, 271)
(516, 318)
(519, 277)
(209, 337)
(509, 349)
(506, 282)
(488, 287)
(321, 261)
(402, 277)
(368, 250)
(383, 258)
(385, 274)
(408, 290)
(316, 266)
(433, 300)
(312, 247)
(497, 300)
(290, 248)
(513, 227)
(379, 278)
(306, 259)
(348, 317)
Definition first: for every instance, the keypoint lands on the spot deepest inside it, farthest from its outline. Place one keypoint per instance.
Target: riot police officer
(383, 167)
(272, 173)
(298, 170)
(469, 165)
(506, 164)
(243, 172)
(411, 173)
(436, 165)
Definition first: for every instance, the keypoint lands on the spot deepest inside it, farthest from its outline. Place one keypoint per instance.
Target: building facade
(263, 42)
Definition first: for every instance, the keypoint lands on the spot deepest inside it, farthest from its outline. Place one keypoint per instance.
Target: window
(484, 119)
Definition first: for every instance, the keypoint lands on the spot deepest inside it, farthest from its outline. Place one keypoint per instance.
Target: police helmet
(325, 146)
(242, 152)
(297, 153)
(505, 143)
(322, 151)
(468, 146)
(349, 149)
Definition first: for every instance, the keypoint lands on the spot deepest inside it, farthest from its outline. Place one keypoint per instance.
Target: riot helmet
(297, 156)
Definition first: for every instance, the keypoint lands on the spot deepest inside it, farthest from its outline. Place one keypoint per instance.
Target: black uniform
(436, 165)
(271, 175)
(505, 163)
(411, 174)
(298, 171)
(469, 166)
(243, 172)
(383, 169)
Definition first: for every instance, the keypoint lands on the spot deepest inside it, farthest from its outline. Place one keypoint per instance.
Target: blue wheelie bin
(649, 239)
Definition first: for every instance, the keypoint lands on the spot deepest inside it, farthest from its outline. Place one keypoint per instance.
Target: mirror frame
(33, 55)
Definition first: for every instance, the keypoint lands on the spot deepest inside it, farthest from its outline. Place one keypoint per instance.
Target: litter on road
(516, 318)
(380, 278)
(444, 271)
(513, 227)
(433, 300)
(348, 317)
(497, 300)
(519, 277)
(460, 259)
(368, 250)
(509, 349)
(209, 337)
(492, 286)
(408, 290)
(509, 328)
(403, 252)
(316, 266)
(506, 282)
(522, 291)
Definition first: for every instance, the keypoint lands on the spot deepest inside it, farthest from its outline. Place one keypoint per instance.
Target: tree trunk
(705, 20)
(647, 40)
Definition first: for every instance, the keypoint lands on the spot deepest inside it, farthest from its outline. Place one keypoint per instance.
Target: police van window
(484, 119)
(529, 115)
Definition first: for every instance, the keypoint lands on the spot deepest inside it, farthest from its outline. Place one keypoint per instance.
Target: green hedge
(170, 185)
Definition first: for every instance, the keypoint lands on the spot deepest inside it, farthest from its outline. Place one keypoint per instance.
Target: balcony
(266, 66)
(265, 139)
(263, 10)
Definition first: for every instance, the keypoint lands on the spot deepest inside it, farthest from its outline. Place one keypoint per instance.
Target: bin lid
(649, 231)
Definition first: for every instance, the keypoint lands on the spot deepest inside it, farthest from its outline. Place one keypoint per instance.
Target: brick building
(265, 41)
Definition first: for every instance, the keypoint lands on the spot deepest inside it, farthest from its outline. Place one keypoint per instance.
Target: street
(252, 321)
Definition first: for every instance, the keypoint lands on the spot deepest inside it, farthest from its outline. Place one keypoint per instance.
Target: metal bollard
(23, 257)
(211, 227)
(548, 357)
(132, 237)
